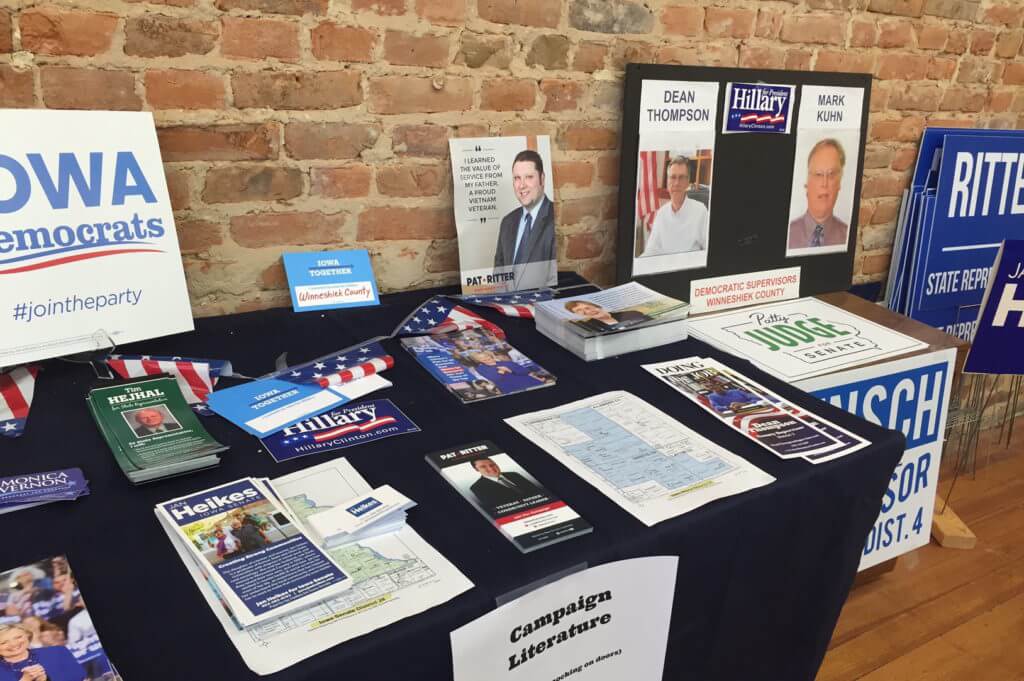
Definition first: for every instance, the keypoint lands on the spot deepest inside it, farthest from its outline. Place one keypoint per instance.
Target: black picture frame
(752, 175)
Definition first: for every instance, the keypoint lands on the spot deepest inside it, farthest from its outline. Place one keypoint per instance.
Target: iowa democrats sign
(88, 248)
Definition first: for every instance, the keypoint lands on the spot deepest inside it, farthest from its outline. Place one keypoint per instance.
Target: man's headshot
(526, 236)
(152, 420)
(819, 226)
(681, 224)
(496, 487)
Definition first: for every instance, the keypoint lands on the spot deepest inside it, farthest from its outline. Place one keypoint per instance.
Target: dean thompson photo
(821, 202)
(673, 195)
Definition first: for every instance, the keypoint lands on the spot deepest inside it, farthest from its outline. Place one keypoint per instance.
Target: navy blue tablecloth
(762, 576)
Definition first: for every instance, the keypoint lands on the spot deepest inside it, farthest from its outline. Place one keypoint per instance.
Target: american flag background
(511, 304)
(16, 389)
(196, 377)
(343, 366)
(650, 188)
(443, 315)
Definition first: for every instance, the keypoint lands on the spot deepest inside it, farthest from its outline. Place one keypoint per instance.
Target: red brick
(157, 35)
(877, 157)
(414, 94)
(916, 98)
(1009, 15)
(584, 245)
(17, 87)
(235, 184)
(886, 211)
(941, 68)
(6, 33)
(686, 20)
(755, 57)
(274, 276)
(964, 99)
(74, 88)
(542, 13)
(902, 66)
(561, 95)
(304, 141)
(259, 38)
(420, 140)
(344, 182)
(257, 230)
(798, 60)
(864, 214)
(583, 137)
(906, 8)
(769, 24)
(195, 236)
(823, 29)
(585, 210)
(879, 97)
(297, 90)
(932, 37)
(392, 223)
(410, 49)
(446, 12)
(979, 70)
(590, 57)
(179, 187)
(600, 273)
(242, 142)
(334, 42)
(296, 7)
(863, 34)
(907, 129)
(845, 61)
(904, 159)
(1008, 44)
(411, 180)
(522, 128)
(956, 43)
(608, 170)
(467, 130)
(876, 263)
(895, 34)
(49, 30)
(183, 89)
(632, 51)
(1000, 100)
(442, 256)
(982, 41)
(387, 7)
(885, 184)
(508, 94)
(1014, 74)
(572, 173)
(720, 22)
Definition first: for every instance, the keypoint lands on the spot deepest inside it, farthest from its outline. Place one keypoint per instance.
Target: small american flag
(16, 389)
(649, 186)
(363, 359)
(512, 304)
(442, 315)
(196, 377)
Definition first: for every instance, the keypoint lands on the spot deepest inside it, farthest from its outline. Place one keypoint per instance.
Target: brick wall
(299, 124)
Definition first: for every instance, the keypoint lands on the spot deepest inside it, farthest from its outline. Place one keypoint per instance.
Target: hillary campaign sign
(88, 248)
(910, 395)
(758, 107)
(997, 342)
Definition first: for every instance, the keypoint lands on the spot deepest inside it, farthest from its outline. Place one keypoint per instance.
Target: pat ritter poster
(88, 249)
(504, 213)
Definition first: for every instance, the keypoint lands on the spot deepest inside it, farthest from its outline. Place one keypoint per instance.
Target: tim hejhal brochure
(527, 514)
(256, 557)
(476, 365)
(151, 429)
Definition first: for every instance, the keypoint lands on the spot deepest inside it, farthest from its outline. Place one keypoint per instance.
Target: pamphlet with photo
(624, 307)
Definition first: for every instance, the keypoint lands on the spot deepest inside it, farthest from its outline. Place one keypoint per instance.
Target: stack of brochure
(151, 429)
(34, 489)
(612, 322)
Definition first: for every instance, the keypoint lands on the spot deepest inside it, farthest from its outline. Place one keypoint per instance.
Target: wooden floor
(945, 614)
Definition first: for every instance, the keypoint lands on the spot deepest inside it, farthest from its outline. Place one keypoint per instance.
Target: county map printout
(394, 575)
(648, 463)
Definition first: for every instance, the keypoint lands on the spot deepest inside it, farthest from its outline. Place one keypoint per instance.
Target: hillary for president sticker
(757, 107)
(339, 428)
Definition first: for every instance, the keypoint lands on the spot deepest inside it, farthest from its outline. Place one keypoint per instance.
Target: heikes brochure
(256, 555)
(505, 493)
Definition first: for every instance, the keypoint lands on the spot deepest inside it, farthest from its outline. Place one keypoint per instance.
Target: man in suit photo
(495, 487)
(151, 421)
(526, 237)
(818, 226)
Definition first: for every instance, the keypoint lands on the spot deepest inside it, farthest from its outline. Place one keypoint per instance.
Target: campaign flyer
(261, 562)
(33, 489)
(504, 492)
(762, 416)
(629, 306)
(48, 626)
(339, 428)
(477, 365)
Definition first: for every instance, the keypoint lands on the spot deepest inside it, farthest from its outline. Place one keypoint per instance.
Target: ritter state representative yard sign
(88, 249)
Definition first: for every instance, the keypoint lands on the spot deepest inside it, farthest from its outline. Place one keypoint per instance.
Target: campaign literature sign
(1000, 335)
(327, 280)
(88, 248)
(910, 395)
(758, 107)
(339, 428)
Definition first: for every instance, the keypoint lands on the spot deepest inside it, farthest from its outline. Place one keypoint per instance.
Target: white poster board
(607, 623)
(88, 247)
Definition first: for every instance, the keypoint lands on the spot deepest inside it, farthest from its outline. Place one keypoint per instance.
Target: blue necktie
(819, 232)
(521, 250)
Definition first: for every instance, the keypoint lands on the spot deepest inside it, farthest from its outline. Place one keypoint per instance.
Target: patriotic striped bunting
(196, 377)
(17, 387)
(374, 366)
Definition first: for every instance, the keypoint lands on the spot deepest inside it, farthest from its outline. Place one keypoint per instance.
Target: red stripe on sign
(369, 425)
(12, 395)
(76, 258)
(504, 520)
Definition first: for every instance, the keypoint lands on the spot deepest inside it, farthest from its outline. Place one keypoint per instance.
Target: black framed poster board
(726, 171)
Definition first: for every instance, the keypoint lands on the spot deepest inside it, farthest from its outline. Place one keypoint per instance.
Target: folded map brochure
(760, 415)
(151, 429)
(625, 307)
(256, 555)
(505, 493)
(475, 364)
(380, 511)
(34, 489)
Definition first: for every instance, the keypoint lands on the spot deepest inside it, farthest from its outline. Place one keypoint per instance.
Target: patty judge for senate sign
(88, 249)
